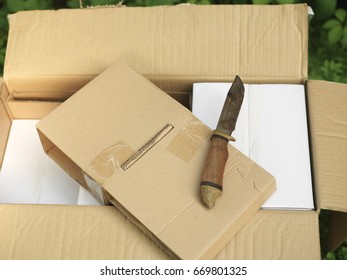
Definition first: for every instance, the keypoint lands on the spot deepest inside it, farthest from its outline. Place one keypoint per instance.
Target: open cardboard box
(52, 54)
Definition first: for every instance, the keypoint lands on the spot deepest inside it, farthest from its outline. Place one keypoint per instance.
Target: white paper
(208, 101)
(85, 197)
(272, 131)
(29, 176)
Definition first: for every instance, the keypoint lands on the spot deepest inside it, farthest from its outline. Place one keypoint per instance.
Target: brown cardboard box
(173, 46)
(97, 134)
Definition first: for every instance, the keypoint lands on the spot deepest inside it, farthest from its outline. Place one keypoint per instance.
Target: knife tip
(238, 84)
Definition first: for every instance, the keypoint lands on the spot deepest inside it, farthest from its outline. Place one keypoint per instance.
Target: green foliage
(328, 48)
(337, 28)
(274, 1)
(339, 254)
(323, 9)
(150, 3)
(73, 3)
(21, 5)
(3, 34)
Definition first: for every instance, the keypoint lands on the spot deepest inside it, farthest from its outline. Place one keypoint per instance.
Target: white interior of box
(272, 131)
(29, 176)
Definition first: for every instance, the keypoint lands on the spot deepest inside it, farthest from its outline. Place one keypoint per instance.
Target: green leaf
(15, 5)
(261, 1)
(341, 14)
(329, 24)
(335, 34)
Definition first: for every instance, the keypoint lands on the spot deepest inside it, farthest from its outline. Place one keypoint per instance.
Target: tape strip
(189, 139)
(120, 157)
(106, 164)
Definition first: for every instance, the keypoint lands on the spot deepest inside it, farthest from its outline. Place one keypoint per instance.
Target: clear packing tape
(119, 157)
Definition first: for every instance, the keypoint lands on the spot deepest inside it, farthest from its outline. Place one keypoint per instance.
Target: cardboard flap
(148, 152)
(70, 232)
(65, 49)
(5, 124)
(327, 103)
(260, 238)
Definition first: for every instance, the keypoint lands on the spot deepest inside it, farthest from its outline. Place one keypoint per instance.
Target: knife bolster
(222, 135)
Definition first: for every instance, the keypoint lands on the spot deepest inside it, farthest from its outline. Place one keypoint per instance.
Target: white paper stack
(29, 176)
(271, 130)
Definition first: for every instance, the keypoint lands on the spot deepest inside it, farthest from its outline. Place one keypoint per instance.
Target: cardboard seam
(172, 220)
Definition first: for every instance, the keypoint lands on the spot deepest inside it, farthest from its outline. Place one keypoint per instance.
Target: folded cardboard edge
(5, 124)
(169, 84)
(34, 109)
(178, 89)
(327, 110)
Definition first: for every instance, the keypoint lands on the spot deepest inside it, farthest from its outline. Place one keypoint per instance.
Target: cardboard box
(147, 152)
(174, 47)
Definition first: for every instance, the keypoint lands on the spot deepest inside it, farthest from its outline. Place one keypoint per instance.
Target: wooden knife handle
(212, 174)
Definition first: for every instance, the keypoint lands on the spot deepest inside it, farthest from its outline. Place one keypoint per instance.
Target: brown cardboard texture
(5, 125)
(270, 43)
(172, 46)
(102, 232)
(328, 111)
(159, 190)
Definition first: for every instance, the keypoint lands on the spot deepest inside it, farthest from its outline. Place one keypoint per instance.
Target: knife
(211, 185)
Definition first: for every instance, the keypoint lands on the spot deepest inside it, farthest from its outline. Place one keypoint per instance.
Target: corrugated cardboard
(328, 111)
(102, 232)
(5, 124)
(263, 27)
(173, 46)
(160, 191)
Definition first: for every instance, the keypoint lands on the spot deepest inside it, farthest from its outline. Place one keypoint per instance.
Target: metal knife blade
(231, 108)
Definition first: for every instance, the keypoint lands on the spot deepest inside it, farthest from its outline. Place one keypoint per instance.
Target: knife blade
(211, 185)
